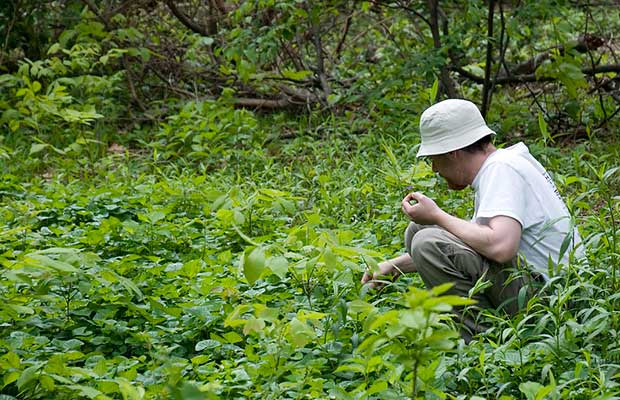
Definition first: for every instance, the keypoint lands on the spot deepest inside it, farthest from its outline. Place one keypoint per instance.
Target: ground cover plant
(159, 281)
(191, 191)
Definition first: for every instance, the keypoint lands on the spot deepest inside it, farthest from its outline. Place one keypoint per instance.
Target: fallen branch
(584, 44)
(516, 79)
(262, 103)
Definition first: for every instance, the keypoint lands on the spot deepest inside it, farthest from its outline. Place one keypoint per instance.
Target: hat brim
(440, 147)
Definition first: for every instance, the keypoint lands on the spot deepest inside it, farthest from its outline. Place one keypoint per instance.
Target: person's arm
(498, 241)
(394, 267)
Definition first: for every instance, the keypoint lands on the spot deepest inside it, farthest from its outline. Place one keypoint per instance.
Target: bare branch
(487, 87)
(320, 65)
(446, 81)
(262, 103)
(516, 79)
(345, 32)
(95, 10)
(584, 44)
(185, 20)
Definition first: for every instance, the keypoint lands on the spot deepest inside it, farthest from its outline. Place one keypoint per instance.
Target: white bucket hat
(451, 125)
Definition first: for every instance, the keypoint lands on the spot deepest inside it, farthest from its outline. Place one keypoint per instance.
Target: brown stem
(130, 84)
(345, 32)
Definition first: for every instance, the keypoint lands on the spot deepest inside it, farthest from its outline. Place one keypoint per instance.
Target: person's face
(450, 168)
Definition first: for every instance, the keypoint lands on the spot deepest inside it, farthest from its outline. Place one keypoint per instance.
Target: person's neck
(477, 159)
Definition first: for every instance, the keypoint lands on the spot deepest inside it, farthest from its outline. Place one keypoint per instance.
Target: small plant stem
(250, 222)
(614, 248)
(414, 388)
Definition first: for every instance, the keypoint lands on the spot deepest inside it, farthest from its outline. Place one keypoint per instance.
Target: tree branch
(262, 103)
(93, 7)
(345, 32)
(584, 44)
(320, 65)
(516, 79)
(444, 76)
(487, 87)
(185, 20)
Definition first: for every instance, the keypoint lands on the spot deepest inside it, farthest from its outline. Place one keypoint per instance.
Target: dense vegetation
(191, 191)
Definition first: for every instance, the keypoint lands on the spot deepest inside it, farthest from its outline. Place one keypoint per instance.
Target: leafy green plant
(412, 338)
(203, 130)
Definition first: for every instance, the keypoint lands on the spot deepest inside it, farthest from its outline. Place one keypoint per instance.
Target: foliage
(192, 190)
(241, 281)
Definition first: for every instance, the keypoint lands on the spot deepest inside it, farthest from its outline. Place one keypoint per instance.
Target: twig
(345, 32)
(535, 98)
(593, 64)
(170, 85)
(603, 123)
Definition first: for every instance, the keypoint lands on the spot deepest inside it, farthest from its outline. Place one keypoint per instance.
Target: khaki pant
(441, 257)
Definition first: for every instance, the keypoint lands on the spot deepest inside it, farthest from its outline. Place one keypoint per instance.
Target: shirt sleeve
(502, 191)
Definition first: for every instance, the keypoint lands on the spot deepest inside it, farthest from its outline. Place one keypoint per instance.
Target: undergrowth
(228, 266)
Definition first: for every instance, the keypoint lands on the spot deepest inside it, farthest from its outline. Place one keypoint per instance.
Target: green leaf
(37, 148)
(253, 325)
(12, 360)
(28, 375)
(253, 264)
(232, 337)
(435, 88)
(530, 389)
(414, 319)
(47, 262)
(47, 383)
(207, 344)
(278, 265)
(86, 391)
(333, 99)
(53, 48)
(542, 125)
(300, 334)
(11, 377)
(130, 392)
(377, 387)
(21, 309)
(296, 75)
(14, 125)
(360, 306)
(243, 235)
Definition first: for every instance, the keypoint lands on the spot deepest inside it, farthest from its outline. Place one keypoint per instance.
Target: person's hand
(373, 279)
(424, 210)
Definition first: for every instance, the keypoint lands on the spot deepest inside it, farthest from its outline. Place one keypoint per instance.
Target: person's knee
(425, 245)
(410, 232)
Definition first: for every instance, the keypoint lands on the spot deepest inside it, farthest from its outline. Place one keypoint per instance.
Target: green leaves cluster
(241, 281)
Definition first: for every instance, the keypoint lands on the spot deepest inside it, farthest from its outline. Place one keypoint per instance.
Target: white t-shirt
(512, 183)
